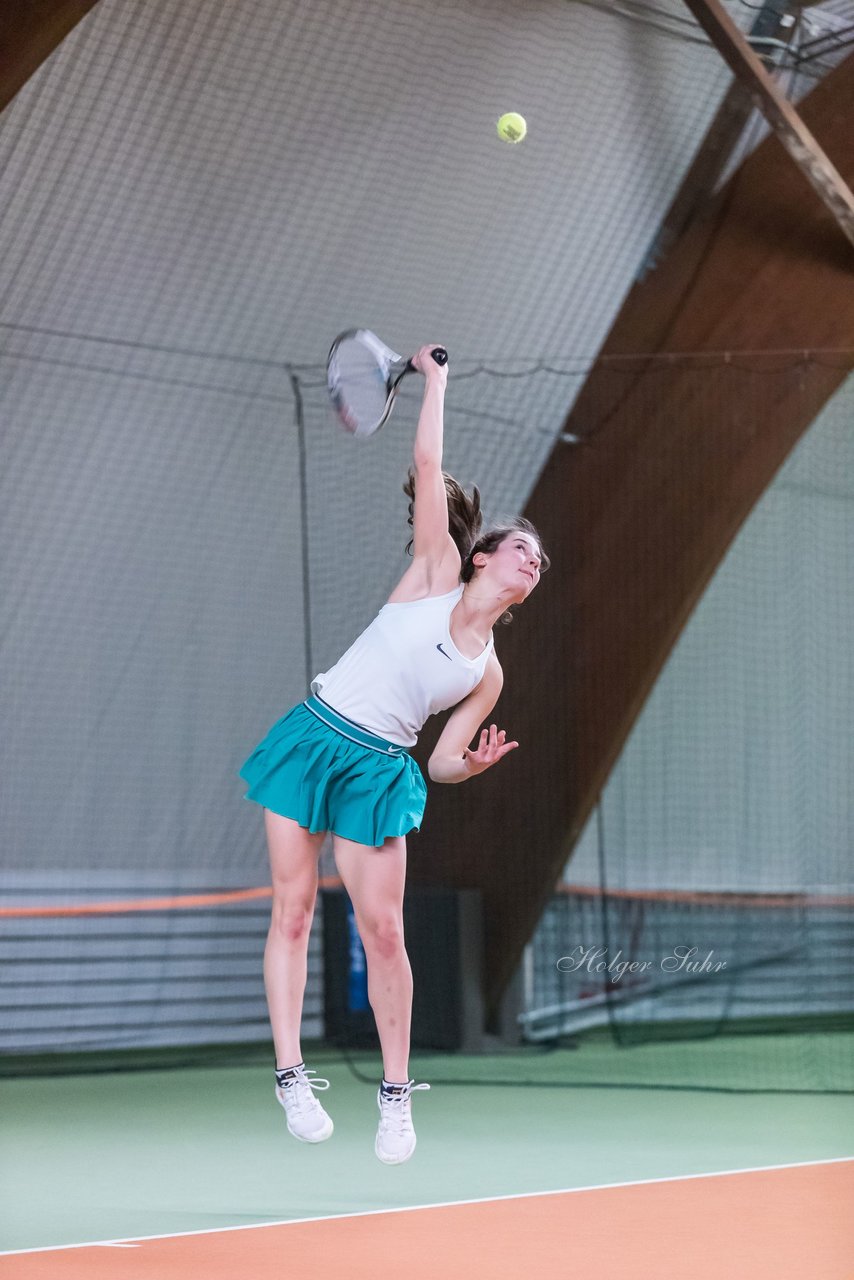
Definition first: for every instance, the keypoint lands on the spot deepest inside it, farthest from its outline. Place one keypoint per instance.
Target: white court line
(131, 1241)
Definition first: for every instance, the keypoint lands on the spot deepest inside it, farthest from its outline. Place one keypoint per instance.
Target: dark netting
(702, 934)
(724, 827)
(193, 203)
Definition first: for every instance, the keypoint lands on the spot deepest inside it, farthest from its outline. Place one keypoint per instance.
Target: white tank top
(403, 668)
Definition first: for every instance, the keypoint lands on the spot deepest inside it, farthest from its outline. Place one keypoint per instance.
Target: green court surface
(137, 1153)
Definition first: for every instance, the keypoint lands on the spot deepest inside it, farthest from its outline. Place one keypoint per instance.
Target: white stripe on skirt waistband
(383, 751)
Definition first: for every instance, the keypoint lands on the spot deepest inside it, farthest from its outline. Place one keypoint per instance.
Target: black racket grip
(439, 354)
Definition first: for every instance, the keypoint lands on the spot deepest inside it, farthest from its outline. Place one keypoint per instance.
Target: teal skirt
(330, 774)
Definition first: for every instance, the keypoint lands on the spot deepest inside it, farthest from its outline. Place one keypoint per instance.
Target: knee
(291, 919)
(382, 937)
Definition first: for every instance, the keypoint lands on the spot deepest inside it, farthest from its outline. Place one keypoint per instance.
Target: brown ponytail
(465, 518)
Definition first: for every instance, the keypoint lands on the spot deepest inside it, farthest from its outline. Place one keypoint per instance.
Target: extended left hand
(490, 750)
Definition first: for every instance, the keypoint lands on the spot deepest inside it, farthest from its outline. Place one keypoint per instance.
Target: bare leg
(374, 879)
(294, 853)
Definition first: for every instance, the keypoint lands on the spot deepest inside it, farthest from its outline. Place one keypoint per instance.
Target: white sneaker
(306, 1118)
(396, 1136)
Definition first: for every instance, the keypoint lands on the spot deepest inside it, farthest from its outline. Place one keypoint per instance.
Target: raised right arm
(431, 541)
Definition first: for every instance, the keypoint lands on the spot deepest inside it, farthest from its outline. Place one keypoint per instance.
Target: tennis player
(339, 762)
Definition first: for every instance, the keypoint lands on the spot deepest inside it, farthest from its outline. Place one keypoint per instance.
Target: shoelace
(395, 1114)
(291, 1090)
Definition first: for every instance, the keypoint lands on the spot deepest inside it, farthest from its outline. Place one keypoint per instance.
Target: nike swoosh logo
(444, 655)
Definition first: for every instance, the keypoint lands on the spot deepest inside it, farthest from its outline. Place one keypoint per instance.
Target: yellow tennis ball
(512, 127)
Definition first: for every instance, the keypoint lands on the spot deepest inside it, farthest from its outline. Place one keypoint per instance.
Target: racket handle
(439, 354)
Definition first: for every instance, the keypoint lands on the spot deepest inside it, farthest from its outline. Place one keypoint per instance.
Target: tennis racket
(363, 376)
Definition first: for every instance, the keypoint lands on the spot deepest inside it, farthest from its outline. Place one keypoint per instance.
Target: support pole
(778, 111)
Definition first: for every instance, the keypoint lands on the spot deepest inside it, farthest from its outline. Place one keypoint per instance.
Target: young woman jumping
(339, 762)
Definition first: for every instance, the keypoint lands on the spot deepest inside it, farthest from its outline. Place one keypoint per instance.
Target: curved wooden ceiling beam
(637, 520)
(30, 30)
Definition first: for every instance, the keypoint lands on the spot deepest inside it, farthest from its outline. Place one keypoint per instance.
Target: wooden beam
(30, 30)
(638, 521)
(816, 167)
(699, 183)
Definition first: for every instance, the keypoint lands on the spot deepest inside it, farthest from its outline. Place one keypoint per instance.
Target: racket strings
(359, 386)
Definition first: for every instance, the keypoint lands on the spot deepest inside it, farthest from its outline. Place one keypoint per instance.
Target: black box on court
(444, 940)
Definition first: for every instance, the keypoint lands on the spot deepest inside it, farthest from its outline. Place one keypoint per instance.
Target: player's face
(516, 560)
